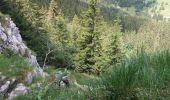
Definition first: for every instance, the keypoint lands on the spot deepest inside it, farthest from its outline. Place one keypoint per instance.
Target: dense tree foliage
(83, 38)
(90, 44)
(99, 41)
(138, 4)
(28, 16)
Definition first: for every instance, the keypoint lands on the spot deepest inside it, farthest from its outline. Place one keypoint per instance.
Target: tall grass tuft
(145, 76)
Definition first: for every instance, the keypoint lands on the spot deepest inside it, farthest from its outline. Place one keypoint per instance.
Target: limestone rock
(29, 78)
(20, 89)
(5, 87)
(10, 38)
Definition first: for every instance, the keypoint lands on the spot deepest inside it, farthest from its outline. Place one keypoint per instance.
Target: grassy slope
(165, 12)
(144, 76)
(13, 66)
(152, 35)
(49, 91)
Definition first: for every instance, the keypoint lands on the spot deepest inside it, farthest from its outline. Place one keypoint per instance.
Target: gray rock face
(20, 89)
(29, 78)
(10, 38)
(5, 87)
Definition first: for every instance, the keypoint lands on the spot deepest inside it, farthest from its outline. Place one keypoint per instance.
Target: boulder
(5, 87)
(20, 89)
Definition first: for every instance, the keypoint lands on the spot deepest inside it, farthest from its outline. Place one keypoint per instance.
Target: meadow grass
(13, 66)
(166, 3)
(152, 36)
(144, 76)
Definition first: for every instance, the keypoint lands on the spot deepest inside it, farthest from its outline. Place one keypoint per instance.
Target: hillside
(163, 7)
(84, 49)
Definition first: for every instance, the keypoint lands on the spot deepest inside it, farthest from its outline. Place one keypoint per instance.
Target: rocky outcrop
(29, 78)
(5, 87)
(20, 89)
(10, 38)
(11, 88)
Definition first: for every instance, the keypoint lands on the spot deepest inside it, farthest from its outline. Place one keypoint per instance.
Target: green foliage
(2, 17)
(90, 43)
(8, 53)
(134, 78)
(139, 77)
(92, 46)
(14, 66)
(50, 91)
(139, 5)
(152, 35)
(116, 49)
(53, 11)
(28, 17)
(59, 36)
(60, 74)
(132, 23)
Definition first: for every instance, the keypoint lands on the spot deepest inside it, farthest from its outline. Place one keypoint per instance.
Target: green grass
(49, 91)
(152, 35)
(2, 19)
(141, 77)
(13, 66)
(166, 6)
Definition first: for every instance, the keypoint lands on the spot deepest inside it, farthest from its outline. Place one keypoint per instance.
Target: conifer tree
(90, 43)
(115, 47)
(53, 11)
(58, 33)
(76, 27)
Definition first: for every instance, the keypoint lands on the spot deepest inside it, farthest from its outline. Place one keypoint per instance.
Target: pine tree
(90, 43)
(76, 27)
(56, 25)
(115, 47)
(53, 11)
(59, 34)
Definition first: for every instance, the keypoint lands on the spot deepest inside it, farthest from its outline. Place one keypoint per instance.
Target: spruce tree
(115, 47)
(76, 27)
(90, 43)
(59, 34)
(53, 11)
